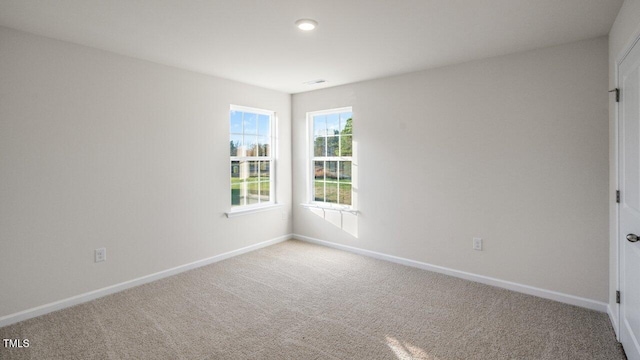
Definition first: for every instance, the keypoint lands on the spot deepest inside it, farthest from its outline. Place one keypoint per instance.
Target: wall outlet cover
(101, 254)
(477, 244)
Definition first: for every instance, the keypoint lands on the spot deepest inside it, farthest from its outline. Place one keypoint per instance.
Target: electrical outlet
(284, 215)
(101, 254)
(477, 244)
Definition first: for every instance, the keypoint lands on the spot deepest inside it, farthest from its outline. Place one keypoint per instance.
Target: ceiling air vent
(315, 82)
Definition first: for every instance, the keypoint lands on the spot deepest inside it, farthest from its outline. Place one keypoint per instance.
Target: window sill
(330, 208)
(253, 210)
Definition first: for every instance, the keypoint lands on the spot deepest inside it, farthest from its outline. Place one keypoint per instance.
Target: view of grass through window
(251, 156)
(332, 157)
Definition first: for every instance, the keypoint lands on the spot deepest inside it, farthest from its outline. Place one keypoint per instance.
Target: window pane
(319, 125)
(250, 145)
(331, 192)
(239, 194)
(236, 122)
(332, 145)
(331, 171)
(263, 125)
(346, 146)
(235, 143)
(235, 171)
(252, 192)
(250, 123)
(235, 195)
(253, 171)
(264, 191)
(345, 123)
(264, 170)
(333, 124)
(319, 146)
(318, 190)
(239, 171)
(263, 146)
(319, 170)
(345, 171)
(345, 194)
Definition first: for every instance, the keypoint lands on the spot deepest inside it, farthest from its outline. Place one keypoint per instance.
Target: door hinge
(617, 91)
(618, 297)
(618, 196)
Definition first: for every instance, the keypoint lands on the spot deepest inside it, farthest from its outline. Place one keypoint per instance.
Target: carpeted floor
(300, 301)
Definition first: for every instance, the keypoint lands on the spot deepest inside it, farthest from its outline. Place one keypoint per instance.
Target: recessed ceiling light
(306, 24)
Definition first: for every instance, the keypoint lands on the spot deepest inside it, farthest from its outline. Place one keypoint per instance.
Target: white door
(629, 112)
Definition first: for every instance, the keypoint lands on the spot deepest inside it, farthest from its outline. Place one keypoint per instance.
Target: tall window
(251, 149)
(332, 156)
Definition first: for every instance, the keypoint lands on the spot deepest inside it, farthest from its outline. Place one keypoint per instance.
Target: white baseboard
(79, 299)
(526, 289)
(614, 321)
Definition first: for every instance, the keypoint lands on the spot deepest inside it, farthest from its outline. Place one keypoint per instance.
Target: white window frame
(252, 208)
(311, 202)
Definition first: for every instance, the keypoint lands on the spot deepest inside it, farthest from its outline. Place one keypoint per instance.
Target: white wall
(512, 149)
(101, 150)
(623, 32)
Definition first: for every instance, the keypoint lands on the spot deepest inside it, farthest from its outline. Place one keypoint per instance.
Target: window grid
(333, 169)
(251, 157)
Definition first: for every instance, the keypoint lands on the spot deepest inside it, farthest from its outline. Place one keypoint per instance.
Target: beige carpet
(301, 301)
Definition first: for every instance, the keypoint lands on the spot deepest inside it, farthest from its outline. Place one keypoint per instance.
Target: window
(331, 157)
(252, 159)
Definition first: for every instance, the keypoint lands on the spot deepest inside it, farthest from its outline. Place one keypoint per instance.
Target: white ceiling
(256, 42)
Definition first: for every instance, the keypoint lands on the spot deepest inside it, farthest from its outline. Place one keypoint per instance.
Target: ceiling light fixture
(306, 24)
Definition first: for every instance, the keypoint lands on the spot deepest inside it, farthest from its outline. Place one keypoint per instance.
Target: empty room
(293, 179)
